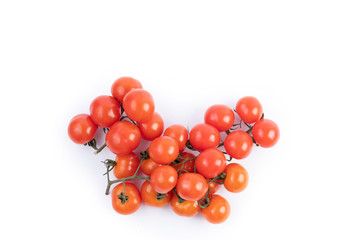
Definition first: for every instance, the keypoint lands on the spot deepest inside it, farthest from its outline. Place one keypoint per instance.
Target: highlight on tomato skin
(163, 179)
(266, 133)
(163, 150)
(185, 208)
(153, 128)
(191, 186)
(220, 116)
(179, 133)
(126, 165)
(122, 86)
(149, 196)
(203, 136)
(139, 105)
(237, 178)
(105, 111)
(133, 201)
(238, 144)
(82, 129)
(217, 211)
(249, 109)
(210, 163)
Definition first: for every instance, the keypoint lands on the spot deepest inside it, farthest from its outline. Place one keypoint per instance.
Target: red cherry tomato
(81, 129)
(163, 179)
(213, 186)
(210, 163)
(139, 105)
(179, 134)
(152, 128)
(238, 144)
(148, 166)
(133, 202)
(105, 111)
(123, 137)
(191, 186)
(220, 116)
(186, 208)
(126, 165)
(188, 165)
(266, 133)
(204, 136)
(124, 85)
(249, 109)
(237, 178)
(163, 150)
(148, 195)
(217, 211)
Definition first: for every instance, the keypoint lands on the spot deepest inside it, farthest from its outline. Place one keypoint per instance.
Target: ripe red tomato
(249, 109)
(124, 85)
(238, 144)
(148, 195)
(148, 166)
(179, 133)
(163, 179)
(105, 111)
(163, 150)
(191, 186)
(217, 211)
(139, 105)
(186, 208)
(204, 136)
(126, 165)
(188, 165)
(220, 116)
(213, 186)
(152, 128)
(266, 133)
(210, 162)
(123, 137)
(81, 129)
(133, 202)
(237, 178)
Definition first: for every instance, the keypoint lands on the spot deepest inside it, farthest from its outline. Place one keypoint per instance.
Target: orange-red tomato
(249, 109)
(152, 128)
(188, 166)
(163, 179)
(204, 136)
(133, 202)
(266, 133)
(148, 195)
(81, 129)
(126, 165)
(148, 166)
(237, 178)
(238, 144)
(139, 105)
(105, 111)
(217, 211)
(213, 187)
(210, 162)
(163, 150)
(191, 186)
(179, 133)
(186, 208)
(220, 116)
(124, 85)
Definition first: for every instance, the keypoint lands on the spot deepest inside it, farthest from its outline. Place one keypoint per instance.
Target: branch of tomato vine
(92, 144)
(100, 149)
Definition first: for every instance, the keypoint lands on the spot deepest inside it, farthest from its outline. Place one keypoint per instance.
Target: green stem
(100, 149)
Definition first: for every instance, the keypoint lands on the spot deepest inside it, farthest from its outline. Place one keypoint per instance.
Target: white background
(300, 58)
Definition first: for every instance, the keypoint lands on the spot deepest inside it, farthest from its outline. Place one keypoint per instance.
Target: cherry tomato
(139, 105)
(238, 144)
(123, 137)
(191, 186)
(249, 109)
(188, 166)
(213, 186)
(186, 208)
(126, 165)
(266, 133)
(204, 136)
(148, 195)
(179, 133)
(217, 211)
(163, 179)
(163, 150)
(220, 116)
(148, 166)
(237, 178)
(152, 128)
(124, 85)
(105, 111)
(133, 202)
(81, 129)
(210, 162)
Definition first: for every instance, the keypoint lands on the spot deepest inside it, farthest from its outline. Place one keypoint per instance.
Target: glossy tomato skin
(152, 128)
(204, 136)
(217, 211)
(132, 204)
(105, 111)
(238, 144)
(249, 109)
(122, 86)
(123, 137)
(148, 195)
(220, 116)
(191, 186)
(188, 166)
(139, 105)
(126, 165)
(210, 163)
(148, 166)
(266, 133)
(237, 178)
(179, 133)
(186, 208)
(163, 179)
(163, 150)
(82, 129)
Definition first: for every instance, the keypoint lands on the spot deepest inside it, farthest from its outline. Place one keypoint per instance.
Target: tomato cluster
(178, 167)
